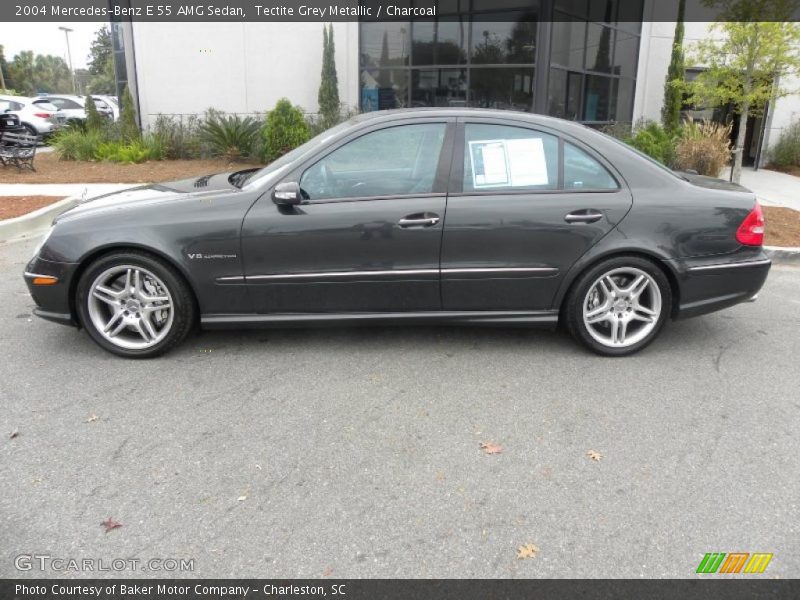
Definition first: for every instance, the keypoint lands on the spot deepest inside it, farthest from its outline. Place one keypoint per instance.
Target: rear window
(45, 105)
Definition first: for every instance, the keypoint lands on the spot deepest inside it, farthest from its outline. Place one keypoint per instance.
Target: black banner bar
(711, 588)
(381, 10)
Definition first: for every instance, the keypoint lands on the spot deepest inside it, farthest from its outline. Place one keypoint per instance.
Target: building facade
(598, 62)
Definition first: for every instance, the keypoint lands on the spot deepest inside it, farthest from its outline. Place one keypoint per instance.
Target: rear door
(524, 205)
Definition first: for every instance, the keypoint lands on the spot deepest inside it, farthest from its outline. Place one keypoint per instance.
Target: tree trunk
(738, 151)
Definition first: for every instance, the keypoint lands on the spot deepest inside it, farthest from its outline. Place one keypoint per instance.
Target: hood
(712, 182)
(146, 195)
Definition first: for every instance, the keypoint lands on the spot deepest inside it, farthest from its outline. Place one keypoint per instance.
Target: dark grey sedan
(409, 217)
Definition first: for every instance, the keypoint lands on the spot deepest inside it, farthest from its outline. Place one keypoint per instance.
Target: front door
(525, 205)
(368, 234)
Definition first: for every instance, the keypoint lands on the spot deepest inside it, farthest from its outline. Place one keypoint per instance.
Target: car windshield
(262, 175)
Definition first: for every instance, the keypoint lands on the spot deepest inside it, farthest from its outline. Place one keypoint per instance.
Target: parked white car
(102, 101)
(37, 115)
(75, 106)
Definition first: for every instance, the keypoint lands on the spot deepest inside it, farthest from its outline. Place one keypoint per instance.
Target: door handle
(419, 220)
(585, 215)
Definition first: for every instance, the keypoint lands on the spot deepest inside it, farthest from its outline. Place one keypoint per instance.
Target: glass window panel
(603, 10)
(563, 94)
(630, 14)
(626, 54)
(383, 89)
(439, 87)
(384, 44)
(581, 171)
(512, 41)
(622, 100)
(577, 8)
(439, 43)
(597, 98)
(599, 45)
(504, 88)
(395, 161)
(503, 157)
(569, 38)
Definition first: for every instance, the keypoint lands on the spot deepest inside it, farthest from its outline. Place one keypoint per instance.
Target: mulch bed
(783, 226)
(49, 169)
(15, 206)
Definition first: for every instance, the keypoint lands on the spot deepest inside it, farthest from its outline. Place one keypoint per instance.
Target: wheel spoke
(106, 295)
(150, 308)
(128, 280)
(622, 331)
(145, 329)
(598, 315)
(639, 285)
(137, 283)
(611, 284)
(642, 317)
(115, 324)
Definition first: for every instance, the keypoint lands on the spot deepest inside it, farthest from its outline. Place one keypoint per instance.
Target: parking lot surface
(356, 452)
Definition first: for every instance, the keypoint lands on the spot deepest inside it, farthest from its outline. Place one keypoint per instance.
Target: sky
(46, 38)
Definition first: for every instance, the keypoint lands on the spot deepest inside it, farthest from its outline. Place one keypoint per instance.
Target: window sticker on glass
(512, 162)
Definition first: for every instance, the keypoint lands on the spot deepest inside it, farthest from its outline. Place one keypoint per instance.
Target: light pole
(67, 31)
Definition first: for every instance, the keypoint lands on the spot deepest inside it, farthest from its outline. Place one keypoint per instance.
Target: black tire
(29, 129)
(183, 301)
(574, 303)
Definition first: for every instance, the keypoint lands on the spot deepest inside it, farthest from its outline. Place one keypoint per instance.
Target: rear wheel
(134, 305)
(619, 306)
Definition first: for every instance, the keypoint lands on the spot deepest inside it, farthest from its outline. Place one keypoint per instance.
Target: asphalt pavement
(356, 452)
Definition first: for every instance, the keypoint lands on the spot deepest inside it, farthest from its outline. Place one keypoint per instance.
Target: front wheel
(619, 306)
(134, 305)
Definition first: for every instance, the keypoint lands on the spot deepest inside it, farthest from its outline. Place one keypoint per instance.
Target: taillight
(751, 231)
(42, 115)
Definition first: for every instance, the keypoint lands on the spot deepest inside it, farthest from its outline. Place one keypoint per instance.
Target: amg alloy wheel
(619, 306)
(134, 305)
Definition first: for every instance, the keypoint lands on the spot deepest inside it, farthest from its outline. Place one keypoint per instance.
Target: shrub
(656, 142)
(73, 143)
(179, 138)
(328, 96)
(229, 136)
(786, 151)
(703, 147)
(144, 149)
(94, 121)
(284, 130)
(129, 128)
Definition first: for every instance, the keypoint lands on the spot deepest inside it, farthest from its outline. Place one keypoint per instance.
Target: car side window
(581, 171)
(502, 157)
(396, 161)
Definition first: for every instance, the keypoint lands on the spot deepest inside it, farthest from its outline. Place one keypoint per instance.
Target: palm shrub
(786, 151)
(704, 147)
(284, 130)
(229, 136)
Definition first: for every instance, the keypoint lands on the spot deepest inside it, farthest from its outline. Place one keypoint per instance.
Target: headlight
(43, 241)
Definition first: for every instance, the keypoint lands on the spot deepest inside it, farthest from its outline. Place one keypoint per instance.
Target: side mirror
(287, 194)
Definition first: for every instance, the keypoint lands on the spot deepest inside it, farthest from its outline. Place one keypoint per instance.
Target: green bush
(656, 142)
(704, 147)
(229, 136)
(144, 149)
(129, 128)
(179, 138)
(284, 130)
(786, 151)
(73, 143)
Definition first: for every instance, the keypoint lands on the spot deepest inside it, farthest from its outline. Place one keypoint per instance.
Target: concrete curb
(783, 255)
(35, 222)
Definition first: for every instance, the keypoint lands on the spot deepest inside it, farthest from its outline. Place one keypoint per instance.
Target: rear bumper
(52, 301)
(710, 286)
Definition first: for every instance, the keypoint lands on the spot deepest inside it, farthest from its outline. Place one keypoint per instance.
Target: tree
(101, 64)
(94, 121)
(3, 69)
(328, 97)
(284, 130)
(758, 47)
(129, 128)
(675, 82)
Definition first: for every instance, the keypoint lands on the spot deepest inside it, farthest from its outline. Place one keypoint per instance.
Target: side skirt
(496, 318)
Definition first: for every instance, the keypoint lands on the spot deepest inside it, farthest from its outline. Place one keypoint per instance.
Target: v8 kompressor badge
(204, 256)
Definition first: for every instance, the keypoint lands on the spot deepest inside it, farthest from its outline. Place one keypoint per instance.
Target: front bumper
(713, 285)
(53, 301)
